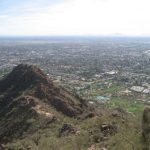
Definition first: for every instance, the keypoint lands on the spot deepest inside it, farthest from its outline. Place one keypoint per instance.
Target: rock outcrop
(146, 128)
(67, 129)
(28, 96)
(30, 80)
(108, 129)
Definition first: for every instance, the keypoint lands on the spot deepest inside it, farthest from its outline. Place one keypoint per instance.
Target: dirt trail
(40, 111)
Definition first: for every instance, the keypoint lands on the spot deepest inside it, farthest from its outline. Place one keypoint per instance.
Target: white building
(137, 88)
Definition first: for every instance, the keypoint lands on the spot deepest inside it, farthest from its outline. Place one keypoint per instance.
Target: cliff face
(22, 77)
(146, 128)
(28, 94)
(30, 80)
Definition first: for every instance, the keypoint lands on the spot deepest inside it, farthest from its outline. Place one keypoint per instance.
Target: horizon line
(88, 36)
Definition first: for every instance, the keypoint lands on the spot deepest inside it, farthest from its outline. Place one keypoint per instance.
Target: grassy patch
(130, 105)
(113, 88)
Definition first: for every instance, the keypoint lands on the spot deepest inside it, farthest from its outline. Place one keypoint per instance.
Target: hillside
(37, 114)
(27, 93)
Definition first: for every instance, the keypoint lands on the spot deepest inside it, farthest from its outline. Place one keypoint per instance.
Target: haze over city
(75, 17)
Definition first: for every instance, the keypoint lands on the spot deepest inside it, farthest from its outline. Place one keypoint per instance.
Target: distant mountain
(27, 94)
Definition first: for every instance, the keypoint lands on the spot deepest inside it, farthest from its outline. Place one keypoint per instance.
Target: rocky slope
(26, 94)
(37, 114)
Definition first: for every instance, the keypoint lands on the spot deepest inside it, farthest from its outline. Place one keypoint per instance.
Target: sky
(75, 17)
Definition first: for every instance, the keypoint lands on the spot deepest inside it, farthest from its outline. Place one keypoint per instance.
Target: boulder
(108, 129)
(67, 129)
(118, 112)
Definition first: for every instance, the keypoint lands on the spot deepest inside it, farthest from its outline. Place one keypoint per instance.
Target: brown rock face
(146, 128)
(31, 81)
(28, 96)
(22, 77)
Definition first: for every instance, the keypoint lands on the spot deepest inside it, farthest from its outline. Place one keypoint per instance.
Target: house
(137, 88)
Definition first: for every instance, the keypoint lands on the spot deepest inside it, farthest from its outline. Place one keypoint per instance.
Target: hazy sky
(75, 17)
